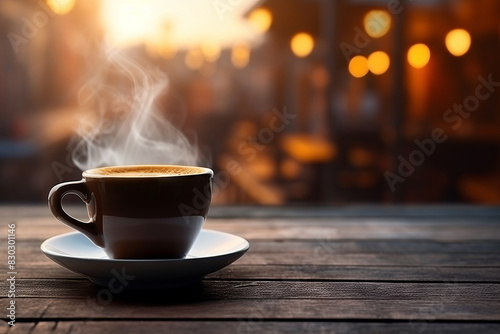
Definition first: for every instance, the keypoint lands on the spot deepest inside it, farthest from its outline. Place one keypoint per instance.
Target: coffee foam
(145, 171)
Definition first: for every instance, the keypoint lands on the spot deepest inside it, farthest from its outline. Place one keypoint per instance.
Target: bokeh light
(458, 42)
(302, 44)
(211, 50)
(194, 59)
(261, 19)
(378, 62)
(419, 55)
(358, 66)
(240, 55)
(377, 23)
(61, 7)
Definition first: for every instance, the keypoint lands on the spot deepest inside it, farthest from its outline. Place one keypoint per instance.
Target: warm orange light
(378, 62)
(419, 55)
(61, 7)
(210, 50)
(240, 55)
(130, 23)
(261, 19)
(194, 59)
(302, 44)
(160, 45)
(358, 66)
(309, 149)
(167, 51)
(164, 50)
(458, 42)
(377, 23)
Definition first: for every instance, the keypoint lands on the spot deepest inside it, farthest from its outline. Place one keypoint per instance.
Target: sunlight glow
(183, 24)
(61, 7)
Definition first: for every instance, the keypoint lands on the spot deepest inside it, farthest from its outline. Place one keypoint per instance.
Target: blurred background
(289, 101)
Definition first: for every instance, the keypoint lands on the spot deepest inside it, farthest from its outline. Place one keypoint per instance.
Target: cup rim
(89, 173)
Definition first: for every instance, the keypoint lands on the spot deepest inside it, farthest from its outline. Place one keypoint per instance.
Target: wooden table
(312, 270)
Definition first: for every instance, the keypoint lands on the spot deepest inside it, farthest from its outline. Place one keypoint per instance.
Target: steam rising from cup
(125, 126)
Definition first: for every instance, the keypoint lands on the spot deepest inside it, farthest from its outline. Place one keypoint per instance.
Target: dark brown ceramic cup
(139, 212)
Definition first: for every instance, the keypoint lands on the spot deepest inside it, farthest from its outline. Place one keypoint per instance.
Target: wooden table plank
(246, 325)
(365, 259)
(32, 247)
(285, 289)
(322, 253)
(303, 309)
(309, 272)
(4, 327)
(261, 231)
(339, 270)
(31, 262)
(258, 326)
(41, 228)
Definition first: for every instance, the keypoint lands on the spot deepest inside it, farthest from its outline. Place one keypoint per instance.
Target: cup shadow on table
(198, 292)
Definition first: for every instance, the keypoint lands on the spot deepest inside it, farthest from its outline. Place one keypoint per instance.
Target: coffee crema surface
(145, 171)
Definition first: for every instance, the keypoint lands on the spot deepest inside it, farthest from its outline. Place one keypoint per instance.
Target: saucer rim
(48, 252)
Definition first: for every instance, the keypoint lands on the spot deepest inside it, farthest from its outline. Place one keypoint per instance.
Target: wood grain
(239, 271)
(321, 270)
(345, 253)
(303, 309)
(245, 325)
(253, 289)
(344, 246)
(365, 259)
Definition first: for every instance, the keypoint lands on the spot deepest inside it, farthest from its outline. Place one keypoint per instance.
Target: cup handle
(78, 188)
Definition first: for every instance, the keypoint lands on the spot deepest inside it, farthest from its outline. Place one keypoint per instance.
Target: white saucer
(212, 251)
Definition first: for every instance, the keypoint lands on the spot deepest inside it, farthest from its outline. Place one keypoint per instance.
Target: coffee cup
(139, 212)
